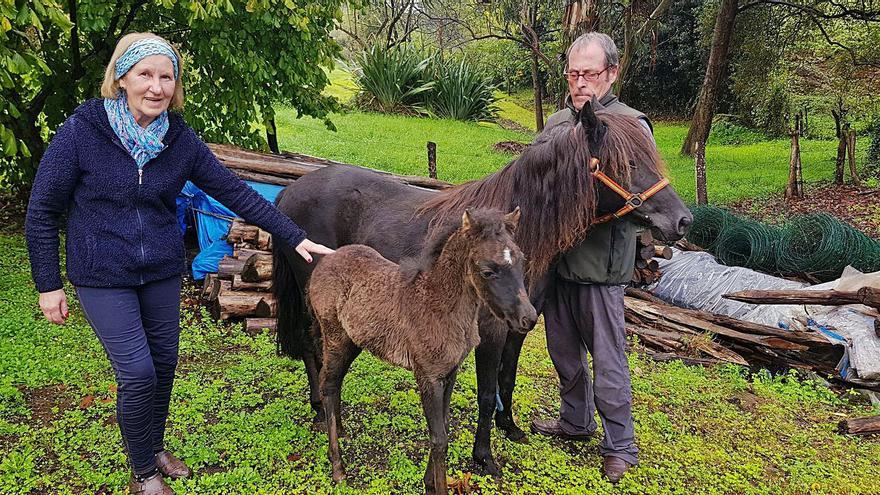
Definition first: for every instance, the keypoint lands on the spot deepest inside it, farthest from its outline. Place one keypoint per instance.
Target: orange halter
(633, 200)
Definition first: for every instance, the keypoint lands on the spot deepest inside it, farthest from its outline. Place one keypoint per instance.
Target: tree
(53, 55)
(820, 15)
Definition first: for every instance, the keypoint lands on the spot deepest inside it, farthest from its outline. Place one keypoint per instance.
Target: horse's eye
(489, 273)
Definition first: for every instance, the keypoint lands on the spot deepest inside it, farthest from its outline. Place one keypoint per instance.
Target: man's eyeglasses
(573, 75)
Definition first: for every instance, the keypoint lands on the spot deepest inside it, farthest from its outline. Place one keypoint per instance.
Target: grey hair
(612, 57)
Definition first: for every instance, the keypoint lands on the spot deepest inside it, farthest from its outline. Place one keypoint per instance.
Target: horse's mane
(483, 222)
(551, 183)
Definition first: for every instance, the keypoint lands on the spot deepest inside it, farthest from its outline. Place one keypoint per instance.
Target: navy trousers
(582, 318)
(139, 328)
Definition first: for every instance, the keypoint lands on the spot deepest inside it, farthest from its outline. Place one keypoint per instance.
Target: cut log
(257, 268)
(264, 178)
(254, 325)
(866, 295)
(293, 166)
(860, 426)
(241, 231)
(207, 285)
(686, 245)
(217, 287)
(664, 252)
(646, 252)
(233, 303)
(239, 284)
(646, 238)
(229, 267)
(653, 265)
(264, 240)
(267, 307)
(245, 253)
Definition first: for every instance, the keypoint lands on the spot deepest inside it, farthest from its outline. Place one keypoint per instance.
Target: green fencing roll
(816, 245)
(709, 223)
(749, 244)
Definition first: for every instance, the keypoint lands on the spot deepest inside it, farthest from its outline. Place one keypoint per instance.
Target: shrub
(460, 92)
(392, 80)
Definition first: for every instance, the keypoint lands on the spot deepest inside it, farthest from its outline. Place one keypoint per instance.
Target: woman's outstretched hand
(54, 306)
(307, 247)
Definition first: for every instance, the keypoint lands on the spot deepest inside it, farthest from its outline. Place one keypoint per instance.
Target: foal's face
(496, 273)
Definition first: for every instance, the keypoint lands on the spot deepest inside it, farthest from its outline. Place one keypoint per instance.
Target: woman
(115, 168)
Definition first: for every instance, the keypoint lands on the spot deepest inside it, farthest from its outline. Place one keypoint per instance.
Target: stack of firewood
(700, 337)
(647, 269)
(242, 286)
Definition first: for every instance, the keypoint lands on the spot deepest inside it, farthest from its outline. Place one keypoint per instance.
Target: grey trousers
(583, 318)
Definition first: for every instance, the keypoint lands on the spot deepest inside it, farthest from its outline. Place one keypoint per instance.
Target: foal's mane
(551, 183)
(484, 222)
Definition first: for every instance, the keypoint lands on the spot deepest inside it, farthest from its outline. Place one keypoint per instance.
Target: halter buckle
(635, 201)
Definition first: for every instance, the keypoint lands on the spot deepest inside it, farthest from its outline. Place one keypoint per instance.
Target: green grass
(240, 417)
(464, 150)
(398, 143)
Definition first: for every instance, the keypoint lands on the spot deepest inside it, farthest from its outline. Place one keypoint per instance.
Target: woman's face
(149, 85)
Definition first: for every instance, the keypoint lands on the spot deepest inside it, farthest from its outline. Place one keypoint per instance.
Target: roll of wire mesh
(709, 223)
(749, 244)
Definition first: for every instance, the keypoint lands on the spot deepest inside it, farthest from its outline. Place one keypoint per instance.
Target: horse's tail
(293, 317)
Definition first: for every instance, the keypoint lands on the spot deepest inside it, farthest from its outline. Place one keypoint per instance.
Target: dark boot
(154, 485)
(552, 428)
(171, 466)
(614, 468)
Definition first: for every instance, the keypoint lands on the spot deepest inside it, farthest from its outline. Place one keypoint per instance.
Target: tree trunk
(272, 135)
(536, 85)
(841, 154)
(700, 169)
(851, 141)
(705, 108)
(793, 189)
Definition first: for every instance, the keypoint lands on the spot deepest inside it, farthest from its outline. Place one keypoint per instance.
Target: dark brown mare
(421, 316)
(551, 181)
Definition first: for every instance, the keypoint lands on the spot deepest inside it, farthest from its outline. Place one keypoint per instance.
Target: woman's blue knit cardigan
(122, 230)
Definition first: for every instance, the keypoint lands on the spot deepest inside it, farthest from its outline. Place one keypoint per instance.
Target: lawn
(240, 417)
(464, 150)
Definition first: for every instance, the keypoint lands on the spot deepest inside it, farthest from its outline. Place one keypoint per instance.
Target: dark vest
(608, 254)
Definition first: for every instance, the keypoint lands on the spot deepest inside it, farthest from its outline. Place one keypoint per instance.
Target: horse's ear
(466, 219)
(511, 220)
(587, 116)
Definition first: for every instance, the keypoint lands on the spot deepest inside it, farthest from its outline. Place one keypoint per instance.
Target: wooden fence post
(432, 159)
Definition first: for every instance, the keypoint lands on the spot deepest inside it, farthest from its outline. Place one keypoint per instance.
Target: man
(585, 311)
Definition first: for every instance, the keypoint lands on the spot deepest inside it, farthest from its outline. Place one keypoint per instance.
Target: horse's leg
(313, 368)
(506, 383)
(510, 360)
(338, 357)
(487, 356)
(433, 393)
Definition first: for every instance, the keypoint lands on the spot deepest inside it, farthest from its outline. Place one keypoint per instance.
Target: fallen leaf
(86, 402)
(293, 457)
(112, 388)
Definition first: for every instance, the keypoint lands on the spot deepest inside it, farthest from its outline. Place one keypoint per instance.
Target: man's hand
(54, 306)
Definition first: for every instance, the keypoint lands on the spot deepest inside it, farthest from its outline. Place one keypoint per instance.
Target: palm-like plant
(392, 80)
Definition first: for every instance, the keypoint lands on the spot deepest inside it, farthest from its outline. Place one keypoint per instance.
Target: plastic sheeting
(695, 280)
(211, 220)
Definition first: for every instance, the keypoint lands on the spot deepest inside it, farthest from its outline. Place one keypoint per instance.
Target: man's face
(589, 59)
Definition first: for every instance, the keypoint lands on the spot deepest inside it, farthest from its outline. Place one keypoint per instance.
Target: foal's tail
(293, 315)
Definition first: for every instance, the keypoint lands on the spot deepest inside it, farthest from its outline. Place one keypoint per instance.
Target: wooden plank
(866, 295)
(860, 426)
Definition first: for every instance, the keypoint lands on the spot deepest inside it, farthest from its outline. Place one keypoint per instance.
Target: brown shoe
(154, 485)
(552, 428)
(171, 466)
(614, 468)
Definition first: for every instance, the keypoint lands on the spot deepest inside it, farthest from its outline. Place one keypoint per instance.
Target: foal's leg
(313, 369)
(433, 393)
(506, 383)
(488, 357)
(338, 356)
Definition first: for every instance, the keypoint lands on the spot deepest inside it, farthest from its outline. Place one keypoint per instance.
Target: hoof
(486, 466)
(320, 417)
(511, 431)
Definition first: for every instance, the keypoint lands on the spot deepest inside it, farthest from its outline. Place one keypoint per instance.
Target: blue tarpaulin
(211, 221)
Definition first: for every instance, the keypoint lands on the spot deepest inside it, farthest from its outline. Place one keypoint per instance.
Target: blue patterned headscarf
(142, 49)
(142, 144)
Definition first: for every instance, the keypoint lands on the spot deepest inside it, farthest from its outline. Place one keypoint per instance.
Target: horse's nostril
(684, 224)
